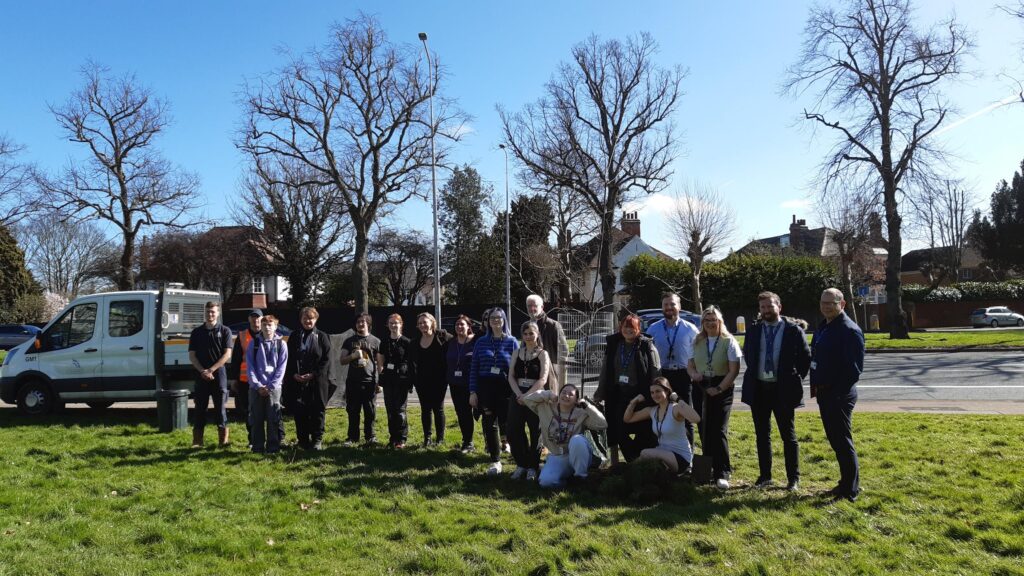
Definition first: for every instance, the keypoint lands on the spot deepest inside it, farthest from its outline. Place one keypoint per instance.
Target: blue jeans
(559, 467)
(265, 420)
(217, 390)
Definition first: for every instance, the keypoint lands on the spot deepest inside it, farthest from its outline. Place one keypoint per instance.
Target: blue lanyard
(769, 347)
(672, 342)
(711, 352)
(625, 360)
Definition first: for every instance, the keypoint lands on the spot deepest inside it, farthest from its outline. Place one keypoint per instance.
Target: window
(257, 285)
(966, 274)
(74, 327)
(125, 318)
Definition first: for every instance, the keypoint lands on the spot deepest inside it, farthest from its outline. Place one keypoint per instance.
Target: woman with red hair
(630, 366)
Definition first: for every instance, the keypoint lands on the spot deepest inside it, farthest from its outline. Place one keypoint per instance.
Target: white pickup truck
(104, 348)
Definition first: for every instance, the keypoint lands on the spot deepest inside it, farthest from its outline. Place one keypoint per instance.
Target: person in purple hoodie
(266, 359)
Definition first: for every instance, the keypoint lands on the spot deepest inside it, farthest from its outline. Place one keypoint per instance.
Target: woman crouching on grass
(266, 359)
(673, 446)
(563, 419)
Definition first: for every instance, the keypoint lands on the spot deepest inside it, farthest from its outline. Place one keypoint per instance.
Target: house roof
(586, 255)
(913, 260)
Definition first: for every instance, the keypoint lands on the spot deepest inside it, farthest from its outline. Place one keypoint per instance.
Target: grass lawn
(962, 339)
(3, 354)
(90, 493)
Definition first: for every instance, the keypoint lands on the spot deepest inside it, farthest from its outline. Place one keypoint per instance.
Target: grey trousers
(265, 420)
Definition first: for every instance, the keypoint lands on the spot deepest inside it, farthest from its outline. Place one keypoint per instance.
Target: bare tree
(406, 260)
(603, 129)
(702, 224)
(123, 180)
(355, 113)
(15, 179)
(64, 256)
(302, 222)
(944, 214)
(878, 82)
(847, 215)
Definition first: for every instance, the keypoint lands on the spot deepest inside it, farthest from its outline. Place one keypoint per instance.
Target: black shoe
(762, 483)
(468, 448)
(372, 442)
(427, 443)
(318, 446)
(793, 486)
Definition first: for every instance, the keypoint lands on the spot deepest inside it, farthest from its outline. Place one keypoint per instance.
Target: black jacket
(837, 354)
(315, 360)
(794, 362)
(646, 365)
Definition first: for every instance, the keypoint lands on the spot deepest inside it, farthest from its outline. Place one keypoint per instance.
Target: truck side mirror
(38, 344)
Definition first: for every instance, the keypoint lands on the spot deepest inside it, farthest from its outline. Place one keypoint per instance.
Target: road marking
(926, 386)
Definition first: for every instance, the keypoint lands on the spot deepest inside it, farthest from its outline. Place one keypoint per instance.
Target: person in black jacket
(307, 380)
(630, 366)
(778, 359)
(359, 353)
(431, 381)
(552, 339)
(396, 380)
(837, 360)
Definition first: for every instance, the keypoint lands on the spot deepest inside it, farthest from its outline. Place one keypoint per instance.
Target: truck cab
(104, 348)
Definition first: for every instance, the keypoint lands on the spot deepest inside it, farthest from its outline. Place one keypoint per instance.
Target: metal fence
(586, 332)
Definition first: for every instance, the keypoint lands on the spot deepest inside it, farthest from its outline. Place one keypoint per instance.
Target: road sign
(862, 291)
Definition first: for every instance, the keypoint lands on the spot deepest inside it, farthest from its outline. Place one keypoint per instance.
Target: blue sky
(738, 133)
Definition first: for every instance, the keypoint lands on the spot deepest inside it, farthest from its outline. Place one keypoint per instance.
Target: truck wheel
(100, 404)
(35, 398)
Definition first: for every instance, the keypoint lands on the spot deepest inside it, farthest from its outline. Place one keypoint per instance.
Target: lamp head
(423, 36)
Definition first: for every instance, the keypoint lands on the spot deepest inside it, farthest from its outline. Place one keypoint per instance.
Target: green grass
(963, 339)
(3, 354)
(88, 493)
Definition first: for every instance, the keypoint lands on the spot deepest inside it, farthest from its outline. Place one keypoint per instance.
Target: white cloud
(461, 130)
(798, 203)
(651, 205)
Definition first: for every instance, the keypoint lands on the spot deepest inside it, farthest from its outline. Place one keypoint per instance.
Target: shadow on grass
(82, 417)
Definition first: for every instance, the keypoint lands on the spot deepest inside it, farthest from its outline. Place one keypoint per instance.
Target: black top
(794, 362)
(396, 357)
(309, 352)
(837, 355)
(429, 363)
(362, 371)
(527, 368)
(209, 344)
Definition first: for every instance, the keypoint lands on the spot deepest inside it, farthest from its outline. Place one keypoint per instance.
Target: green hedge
(1011, 290)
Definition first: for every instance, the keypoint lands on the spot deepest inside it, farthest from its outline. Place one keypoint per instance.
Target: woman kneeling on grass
(266, 359)
(673, 447)
(563, 419)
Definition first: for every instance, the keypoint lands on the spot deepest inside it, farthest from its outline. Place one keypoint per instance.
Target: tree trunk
(847, 280)
(898, 328)
(695, 292)
(604, 263)
(360, 271)
(126, 276)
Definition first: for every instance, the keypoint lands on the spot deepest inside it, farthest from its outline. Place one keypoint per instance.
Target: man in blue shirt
(837, 360)
(673, 338)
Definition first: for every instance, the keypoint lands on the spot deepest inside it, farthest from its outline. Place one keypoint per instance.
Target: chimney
(875, 230)
(796, 234)
(630, 224)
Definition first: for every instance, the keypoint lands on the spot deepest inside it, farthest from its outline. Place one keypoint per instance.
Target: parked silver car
(996, 316)
(13, 334)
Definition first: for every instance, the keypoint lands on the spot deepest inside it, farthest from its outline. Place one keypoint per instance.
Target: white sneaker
(722, 484)
(506, 448)
(495, 469)
(518, 473)
(531, 475)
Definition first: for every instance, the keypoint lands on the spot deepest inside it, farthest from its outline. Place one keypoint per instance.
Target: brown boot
(224, 436)
(197, 437)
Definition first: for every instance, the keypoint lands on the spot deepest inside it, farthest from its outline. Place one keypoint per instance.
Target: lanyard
(672, 342)
(711, 353)
(625, 360)
(563, 425)
(769, 347)
(659, 423)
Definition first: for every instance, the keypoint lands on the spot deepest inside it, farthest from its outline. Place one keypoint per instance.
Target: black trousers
(522, 420)
(837, 417)
(241, 411)
(492, 399)
(463, 412)
(681, 385)
(310, 418)
(207, 390)
(396, 400)
(361, 397)
(785, 419)
(632, 438)
(714, 439)
(431, 396)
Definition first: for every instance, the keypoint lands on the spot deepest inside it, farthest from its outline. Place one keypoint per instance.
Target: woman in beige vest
(713, 370)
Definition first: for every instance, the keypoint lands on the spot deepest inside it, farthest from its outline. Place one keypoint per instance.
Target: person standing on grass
(673, 337)
(238, 372)
(488, 380)
(308, 379)
(427, 358)
(552, 339)
(530, 372)
(631, 364)
(773, 384)
(713, 368)
(360, 355)
(458, 362)
(837, 360)
(668, 417)
(266, 359)
(396, 380)
(563, 418)
(209, 351)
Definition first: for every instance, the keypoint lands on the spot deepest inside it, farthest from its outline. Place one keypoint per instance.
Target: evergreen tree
(472, 261)
(15, 279)
(1001, 238)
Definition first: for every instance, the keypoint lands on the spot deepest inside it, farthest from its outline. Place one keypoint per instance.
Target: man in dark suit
(777, 361)
(837, 360)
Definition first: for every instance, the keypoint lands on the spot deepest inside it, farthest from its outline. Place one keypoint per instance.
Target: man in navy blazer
(837, 360)
(777, 361)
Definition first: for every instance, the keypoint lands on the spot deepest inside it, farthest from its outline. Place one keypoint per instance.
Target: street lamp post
(508, 259)
(433, 180)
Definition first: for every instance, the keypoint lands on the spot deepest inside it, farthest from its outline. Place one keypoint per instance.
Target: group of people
(654, 389)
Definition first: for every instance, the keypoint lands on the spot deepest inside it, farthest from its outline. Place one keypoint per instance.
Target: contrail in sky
(983, 111)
